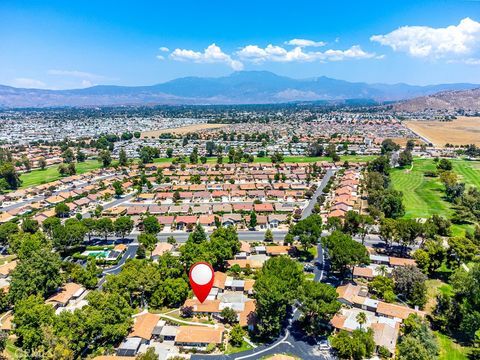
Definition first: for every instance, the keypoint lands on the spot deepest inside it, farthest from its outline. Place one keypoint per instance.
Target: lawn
(468, 171)
(236, 349)
(449, 350)
(38, 177)
(6, 259)
(12, 351)
(434, 288)
(423, 196)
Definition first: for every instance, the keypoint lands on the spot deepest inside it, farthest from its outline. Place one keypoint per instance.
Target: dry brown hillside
(467, 100)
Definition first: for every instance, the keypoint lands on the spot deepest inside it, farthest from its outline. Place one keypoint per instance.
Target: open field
(435, 287)
(38, 177)
(462, 131)
(424, 196)
(181, 130)
(450, 350)
(468, 172)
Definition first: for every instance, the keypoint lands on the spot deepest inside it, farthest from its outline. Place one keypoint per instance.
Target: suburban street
(292, 339)
(38, 198)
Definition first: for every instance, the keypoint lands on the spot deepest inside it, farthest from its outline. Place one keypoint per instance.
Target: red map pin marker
(201, 279)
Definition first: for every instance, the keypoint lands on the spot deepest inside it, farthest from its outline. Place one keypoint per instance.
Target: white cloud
(256, 54)
(86, 83)
(271, 53)
(467, 61)
(164, 49)
(29, 83)
(472, 61)
(424, 41)
(305, 43)
(212, 54)
(355, 52)
(75, 73)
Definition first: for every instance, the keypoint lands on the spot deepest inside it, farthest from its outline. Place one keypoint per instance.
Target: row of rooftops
(346, 195)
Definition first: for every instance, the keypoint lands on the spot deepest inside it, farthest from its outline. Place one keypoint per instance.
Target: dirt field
(181, 130)
(403, 141)
(462, 131)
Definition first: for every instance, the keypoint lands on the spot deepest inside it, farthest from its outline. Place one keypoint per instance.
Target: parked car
(308, 267)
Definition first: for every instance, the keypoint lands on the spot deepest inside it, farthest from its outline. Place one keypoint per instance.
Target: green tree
(62, 210)
(37, 273)
(405, 158)
(345, 252)
(389, 146)
(122, 157)
(388, 231)
(148, 240)
(123, 226)
(6, 231)
(410, 282)
(392, 205)
(357, 345)
(229, 315)
(91, 225)
(318, 305)
(105, 157)
(276, 287)
(361, 319)
(172, 293)
(109, 317)
(151, 225)
(32, 315)
(81, 157)
(49, 224)
(253, 220)
(268, 236)
(30, 225)
(407, 231)
(383, 286)
(308, 230)
(10, 176)
(418, 341)
(117, 186)
(198, 235)
(148, 355)
(104, 226)
(69, 235)
(236, 335)
(42, 163)
(68, 156)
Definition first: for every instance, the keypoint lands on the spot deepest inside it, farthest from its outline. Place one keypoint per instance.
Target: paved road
(112, 204)
(308, 209)
(292, 339)
(114, 270)
(42, 197)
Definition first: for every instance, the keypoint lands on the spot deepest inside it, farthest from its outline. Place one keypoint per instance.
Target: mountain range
(466, 100)
(243, 87)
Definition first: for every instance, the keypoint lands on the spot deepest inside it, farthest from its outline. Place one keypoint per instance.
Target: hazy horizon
(68, 45)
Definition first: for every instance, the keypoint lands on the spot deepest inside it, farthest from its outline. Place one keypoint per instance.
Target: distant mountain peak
(241, 87)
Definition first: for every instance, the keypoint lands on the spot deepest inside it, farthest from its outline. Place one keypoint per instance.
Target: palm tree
(361, 318)
(382, 270)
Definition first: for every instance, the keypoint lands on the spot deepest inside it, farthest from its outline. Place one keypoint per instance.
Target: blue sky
(71, 44)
